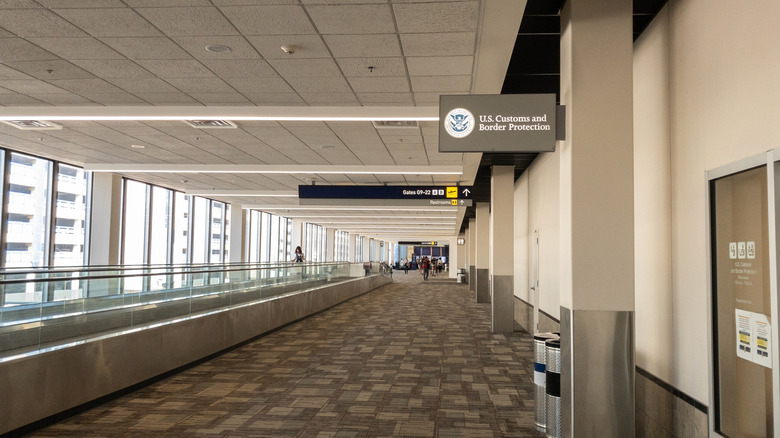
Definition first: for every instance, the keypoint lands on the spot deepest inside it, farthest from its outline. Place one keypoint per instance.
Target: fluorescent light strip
(252, 193)
(297, 216)
(245, 113)
(273, 169)
(314, 207)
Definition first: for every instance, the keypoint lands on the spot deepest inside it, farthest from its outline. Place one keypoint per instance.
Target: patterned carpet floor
(412, 358)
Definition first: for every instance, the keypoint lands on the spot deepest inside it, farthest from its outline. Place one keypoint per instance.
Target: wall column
(471, 261)
(105, 219)
(502, 199)
(597, 220)
(330, 244)
(352, 256)
(238, 234)
(483, 253)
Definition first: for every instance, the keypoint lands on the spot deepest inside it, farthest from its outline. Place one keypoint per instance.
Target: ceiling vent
(394, 124)
(211, 124)
(32, 125)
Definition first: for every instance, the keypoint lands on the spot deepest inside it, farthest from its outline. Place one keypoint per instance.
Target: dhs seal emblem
(459, 123)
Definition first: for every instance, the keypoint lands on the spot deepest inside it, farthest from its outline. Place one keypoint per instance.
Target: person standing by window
(299, 257)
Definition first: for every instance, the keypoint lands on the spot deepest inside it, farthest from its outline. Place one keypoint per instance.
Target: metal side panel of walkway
(411, 358)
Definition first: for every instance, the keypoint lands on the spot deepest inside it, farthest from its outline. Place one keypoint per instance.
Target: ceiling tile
(441, 83)
(341, 2)
(176, 68)
(77, 48)
(37, 23)
(62, 99)
(167, 3)
(307, 46)
(18, 99)
(437, 17)
(254, 2)
(239, 47)
(83, 86)
(188, 21)
(345, 98)
(438, 44)
(45, 70)
(82, 3)
(17, 49)
(114, 99)
(269, 20)
(240, 68)
(380, 67)
(352, 19)
(220, 98)
(440, 65)
(113, 68)
(386, 98)
(167, 98)
(274, 98)
(259, 85)
(320, 85)
(147, 48)
(432, 98)
(32, 86)
(9, 73)
(19, 4)
(116, 22)
(359, 46)
(200, 85)
(306, 68)
(380, 84)
(143, 85)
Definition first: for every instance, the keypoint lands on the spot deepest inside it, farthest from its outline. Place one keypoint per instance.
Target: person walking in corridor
(426, 266)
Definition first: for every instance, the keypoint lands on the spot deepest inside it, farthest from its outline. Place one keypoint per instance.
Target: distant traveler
(426, 266)
(299, 257)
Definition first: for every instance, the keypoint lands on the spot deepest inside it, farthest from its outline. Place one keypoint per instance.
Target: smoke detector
(289, 49)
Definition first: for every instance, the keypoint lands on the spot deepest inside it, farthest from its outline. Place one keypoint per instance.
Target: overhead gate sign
(497, 123)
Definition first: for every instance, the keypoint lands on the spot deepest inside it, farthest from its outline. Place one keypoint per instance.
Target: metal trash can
(540, 379)
(553, 387)
(461, 275)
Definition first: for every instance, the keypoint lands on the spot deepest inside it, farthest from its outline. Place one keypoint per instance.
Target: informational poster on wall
(742, 304)
(754, 337)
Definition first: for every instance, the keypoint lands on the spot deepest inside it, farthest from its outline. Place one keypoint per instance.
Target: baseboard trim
(674, 391)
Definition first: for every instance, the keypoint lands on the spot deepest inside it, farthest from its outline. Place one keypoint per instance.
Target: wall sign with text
(497, 123)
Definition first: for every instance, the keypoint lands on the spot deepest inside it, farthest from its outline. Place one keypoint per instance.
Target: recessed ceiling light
(218, 48)
(137, 146)
(328, 146)
(211, 124)
(32, 125)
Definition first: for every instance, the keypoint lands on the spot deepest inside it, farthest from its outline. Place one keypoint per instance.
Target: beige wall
(521, 240)
(706, 94)
(724, 67)
(537, 191)
(652, 201)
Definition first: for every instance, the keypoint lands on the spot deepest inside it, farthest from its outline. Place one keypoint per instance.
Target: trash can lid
(553, 343)
(545, 336)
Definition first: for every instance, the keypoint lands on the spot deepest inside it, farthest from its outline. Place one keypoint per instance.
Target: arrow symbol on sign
(462, 202)
(466, 192)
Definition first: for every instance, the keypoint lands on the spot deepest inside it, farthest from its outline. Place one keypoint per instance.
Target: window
(200, 227)
(27, 228)
(134, 223)
(181, 224)
(70, 216)
(160, 225)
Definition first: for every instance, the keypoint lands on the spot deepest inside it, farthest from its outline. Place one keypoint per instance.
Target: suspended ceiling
(148, 54)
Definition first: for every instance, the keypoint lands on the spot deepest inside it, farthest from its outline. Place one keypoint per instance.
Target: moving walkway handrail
(217, 269)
